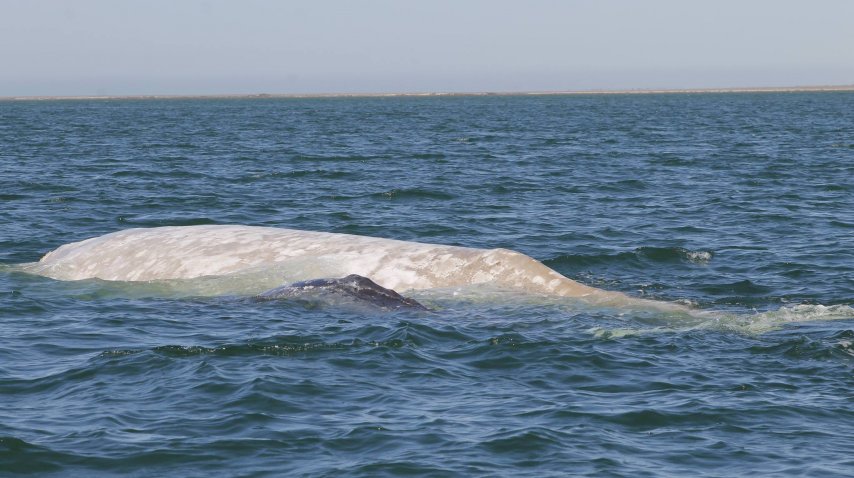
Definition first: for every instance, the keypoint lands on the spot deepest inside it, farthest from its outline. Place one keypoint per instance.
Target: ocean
(737, 205)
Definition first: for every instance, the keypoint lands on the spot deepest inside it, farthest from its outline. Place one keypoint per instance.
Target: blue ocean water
(741, 205)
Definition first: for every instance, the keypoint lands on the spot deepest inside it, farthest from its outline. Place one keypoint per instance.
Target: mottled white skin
(195, 251)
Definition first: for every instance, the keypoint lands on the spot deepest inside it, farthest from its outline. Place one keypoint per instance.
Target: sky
(124, 47)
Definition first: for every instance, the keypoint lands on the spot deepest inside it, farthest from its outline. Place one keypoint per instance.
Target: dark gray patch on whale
(355, 287)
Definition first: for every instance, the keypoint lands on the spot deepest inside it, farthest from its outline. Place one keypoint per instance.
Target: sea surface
(740, 205)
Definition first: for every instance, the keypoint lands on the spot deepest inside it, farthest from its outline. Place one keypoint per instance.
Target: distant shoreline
(638, 91)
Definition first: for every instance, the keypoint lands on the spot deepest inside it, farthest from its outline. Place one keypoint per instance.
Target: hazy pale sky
(113, 47)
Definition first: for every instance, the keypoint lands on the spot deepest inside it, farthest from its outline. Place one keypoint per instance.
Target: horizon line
(632, 91)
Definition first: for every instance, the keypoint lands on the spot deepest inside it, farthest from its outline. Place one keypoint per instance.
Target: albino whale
(187, 252)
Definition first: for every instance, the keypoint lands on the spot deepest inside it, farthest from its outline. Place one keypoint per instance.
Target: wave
(397, 334)
(414, 193)
(277, 347)
(639, 256)
(739, 288)
(315, 173)
(21, 457)
(337, 157)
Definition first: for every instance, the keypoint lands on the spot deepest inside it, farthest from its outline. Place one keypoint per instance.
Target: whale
(188, 252)
(355, 287)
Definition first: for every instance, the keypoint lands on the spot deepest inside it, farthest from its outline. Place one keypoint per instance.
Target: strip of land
(640, 91)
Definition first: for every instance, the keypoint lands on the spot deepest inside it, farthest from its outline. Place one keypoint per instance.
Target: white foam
(699, 257)
(756, 323)
(766, 321)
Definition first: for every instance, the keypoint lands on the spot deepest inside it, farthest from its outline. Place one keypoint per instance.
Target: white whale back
(189, 252)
